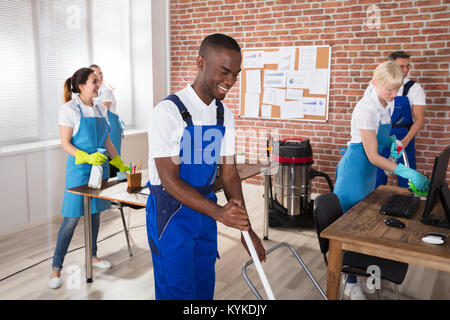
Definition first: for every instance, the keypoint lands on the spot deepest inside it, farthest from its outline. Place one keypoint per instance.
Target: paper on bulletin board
(298, 79)
(291, 110)
(266, 111)
(294, 94)
(287, 59)
(318, 81)
(252, 105)
(271, 57)
(273, 78)
(313, 106)
(253, 81)
(307, 58)
(253, 59)
(274, 96)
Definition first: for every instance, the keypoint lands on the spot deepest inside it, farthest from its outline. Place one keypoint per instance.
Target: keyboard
(400, 205)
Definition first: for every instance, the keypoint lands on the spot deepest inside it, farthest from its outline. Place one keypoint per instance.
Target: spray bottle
(399, 149)
(95, 179)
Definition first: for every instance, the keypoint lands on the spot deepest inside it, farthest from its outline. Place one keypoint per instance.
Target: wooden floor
(132, 278)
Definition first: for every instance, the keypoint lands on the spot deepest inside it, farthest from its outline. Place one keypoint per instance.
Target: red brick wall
(359, 42)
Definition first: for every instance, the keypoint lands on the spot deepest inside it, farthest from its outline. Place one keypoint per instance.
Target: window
(111, 50)
(42, 43)
(19, 92)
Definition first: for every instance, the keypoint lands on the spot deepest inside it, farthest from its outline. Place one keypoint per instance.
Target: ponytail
(68, 90)
(72, 84)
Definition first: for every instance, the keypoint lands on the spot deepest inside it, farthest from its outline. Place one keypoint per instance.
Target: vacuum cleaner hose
(313, 173)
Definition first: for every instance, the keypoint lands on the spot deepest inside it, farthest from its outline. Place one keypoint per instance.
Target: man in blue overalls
(191, 135)
(407, 117)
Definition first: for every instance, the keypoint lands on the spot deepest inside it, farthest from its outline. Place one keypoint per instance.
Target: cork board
(289, 83)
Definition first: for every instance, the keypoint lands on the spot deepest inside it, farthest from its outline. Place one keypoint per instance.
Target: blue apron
(183, 242)
(91, 135)
(355, 175)
(402, 121)
(116, 133)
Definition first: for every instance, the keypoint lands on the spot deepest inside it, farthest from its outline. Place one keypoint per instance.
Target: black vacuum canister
(293, 152)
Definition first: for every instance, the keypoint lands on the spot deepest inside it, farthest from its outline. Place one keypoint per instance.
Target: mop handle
(258, 265)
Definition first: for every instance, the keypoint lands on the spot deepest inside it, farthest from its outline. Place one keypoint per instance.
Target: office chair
(120, 206)
(327, 209)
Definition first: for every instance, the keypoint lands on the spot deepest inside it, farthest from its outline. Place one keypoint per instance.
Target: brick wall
(362, 32)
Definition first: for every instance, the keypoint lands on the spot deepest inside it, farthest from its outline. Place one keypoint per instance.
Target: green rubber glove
(118, 163)
(420, 182)
(95, 159)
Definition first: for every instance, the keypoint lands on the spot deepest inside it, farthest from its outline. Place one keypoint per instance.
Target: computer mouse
(391, 222)
(434, 238)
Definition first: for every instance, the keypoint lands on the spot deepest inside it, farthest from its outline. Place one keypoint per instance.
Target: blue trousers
(65, 235)
(183, 243)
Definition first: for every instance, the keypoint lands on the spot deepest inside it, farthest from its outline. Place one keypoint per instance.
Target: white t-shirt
(166, 128)
(416, 94)
(106, 94)
(368, 114)
(69, 114)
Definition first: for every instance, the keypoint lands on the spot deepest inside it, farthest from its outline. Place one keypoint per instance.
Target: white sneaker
(102, 264)
(353, 290)
(54, 283)
(363, 284)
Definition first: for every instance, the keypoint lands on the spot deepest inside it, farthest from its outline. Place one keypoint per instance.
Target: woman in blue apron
(84, 132)
(106, 97)
(370, 134)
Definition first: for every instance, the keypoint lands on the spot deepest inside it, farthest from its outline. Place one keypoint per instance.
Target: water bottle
(95, 179)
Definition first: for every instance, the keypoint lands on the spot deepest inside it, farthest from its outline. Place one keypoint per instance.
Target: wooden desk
(362, 230)
(118, 191)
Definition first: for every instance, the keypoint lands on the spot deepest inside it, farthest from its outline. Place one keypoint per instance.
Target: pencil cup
(134, 180)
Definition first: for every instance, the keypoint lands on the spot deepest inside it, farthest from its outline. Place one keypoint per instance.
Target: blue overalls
(401, 120)
(355, 175)
(91, 135)
(183, 242)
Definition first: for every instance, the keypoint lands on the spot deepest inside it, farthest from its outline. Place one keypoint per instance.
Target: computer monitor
(438, 191)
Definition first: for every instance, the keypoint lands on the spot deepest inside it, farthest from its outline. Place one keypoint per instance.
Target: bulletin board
(289, 83)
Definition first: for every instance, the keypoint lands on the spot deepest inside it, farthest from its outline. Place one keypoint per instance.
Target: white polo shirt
(416, 94)
(106, 94)
(368, 114)
(69, 114)
(166, 128)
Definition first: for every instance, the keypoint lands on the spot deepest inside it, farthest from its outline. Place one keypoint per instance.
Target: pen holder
(134, 180)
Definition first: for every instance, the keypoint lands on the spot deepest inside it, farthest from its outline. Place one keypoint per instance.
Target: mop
(259, 268)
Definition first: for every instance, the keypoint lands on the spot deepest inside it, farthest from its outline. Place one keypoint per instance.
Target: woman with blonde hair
(84, 132)
(370, 129)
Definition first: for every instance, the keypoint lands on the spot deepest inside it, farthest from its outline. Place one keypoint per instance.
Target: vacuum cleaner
(290, 203)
